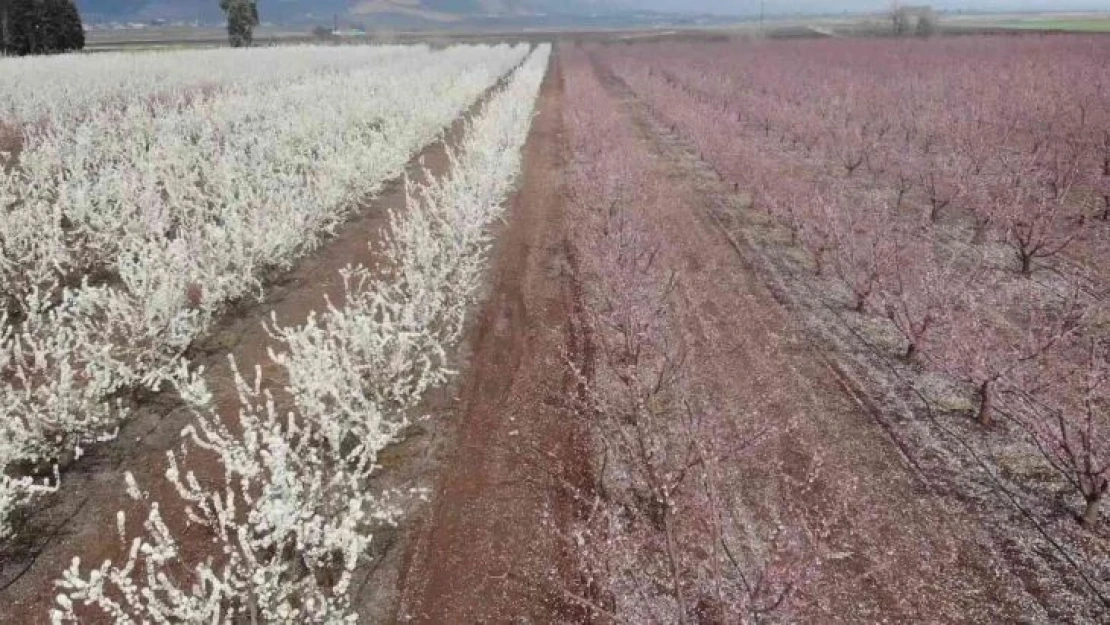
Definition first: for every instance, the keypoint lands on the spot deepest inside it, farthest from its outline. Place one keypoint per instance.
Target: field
(1094, 24)
(658, 329)
(1091, 25)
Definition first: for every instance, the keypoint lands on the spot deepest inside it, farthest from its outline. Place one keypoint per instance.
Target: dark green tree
(69, 24)
(21, 27)
(40, 27)
(5, 25)
(51, 33)
(242, 17)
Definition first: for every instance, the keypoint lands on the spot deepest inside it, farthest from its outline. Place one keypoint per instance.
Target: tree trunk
(985, 404)
(1026, 264)
(1090, 512)
(980, 235)
(673, 559)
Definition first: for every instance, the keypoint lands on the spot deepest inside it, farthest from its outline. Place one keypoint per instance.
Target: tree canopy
(40, 27)
(242, 17)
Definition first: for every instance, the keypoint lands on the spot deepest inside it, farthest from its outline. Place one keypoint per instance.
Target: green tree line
(40, 27)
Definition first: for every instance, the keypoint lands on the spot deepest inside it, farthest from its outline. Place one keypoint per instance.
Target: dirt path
(80, 519)
(489, 536)
(886, 548)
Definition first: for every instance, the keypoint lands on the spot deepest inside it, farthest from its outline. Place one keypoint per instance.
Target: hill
(297, 11)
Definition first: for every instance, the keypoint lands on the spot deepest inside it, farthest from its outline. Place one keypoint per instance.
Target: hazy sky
(834, 6)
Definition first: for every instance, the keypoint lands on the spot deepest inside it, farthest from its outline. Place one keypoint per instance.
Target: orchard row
(133, 218)
(290, 522)
(960, 190)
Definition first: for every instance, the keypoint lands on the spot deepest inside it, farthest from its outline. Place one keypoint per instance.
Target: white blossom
(294, 514)
(150, 190)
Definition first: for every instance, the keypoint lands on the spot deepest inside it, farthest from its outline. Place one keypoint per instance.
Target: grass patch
(1086, 25)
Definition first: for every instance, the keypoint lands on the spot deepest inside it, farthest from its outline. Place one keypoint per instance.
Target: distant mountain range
(521, 11)
(298, 11)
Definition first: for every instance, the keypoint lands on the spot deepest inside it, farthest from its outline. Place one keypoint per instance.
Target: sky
(748, 7)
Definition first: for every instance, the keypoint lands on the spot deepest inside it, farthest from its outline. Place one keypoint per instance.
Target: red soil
(489, 544)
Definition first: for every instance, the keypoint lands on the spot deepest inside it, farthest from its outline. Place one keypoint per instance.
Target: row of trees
(966, 206)
(40, 27)
(282, 502)
(104, 286)
(656, 534)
